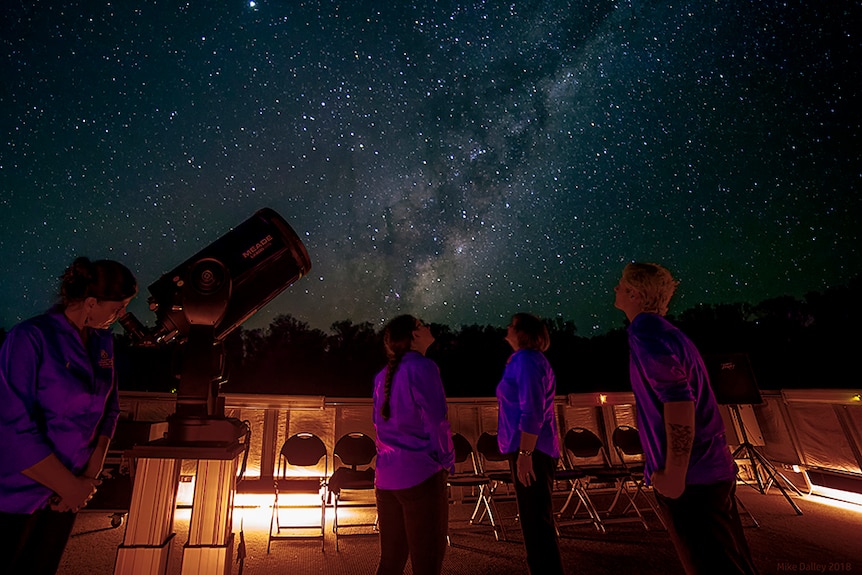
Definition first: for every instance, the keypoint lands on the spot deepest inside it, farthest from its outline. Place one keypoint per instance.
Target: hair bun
(76, 280)
(101, 279)
(82, 267)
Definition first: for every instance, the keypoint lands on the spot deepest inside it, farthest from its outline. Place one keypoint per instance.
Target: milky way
(459, 161)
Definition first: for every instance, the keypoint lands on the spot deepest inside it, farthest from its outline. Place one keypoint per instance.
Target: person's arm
(430, 397)
(74, 491)
(524, 467)
(679, 427)
(108, 424)
(97, 460)
(531, 394)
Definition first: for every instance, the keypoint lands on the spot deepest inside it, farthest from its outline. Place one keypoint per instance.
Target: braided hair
(101, 279)
(397, 340)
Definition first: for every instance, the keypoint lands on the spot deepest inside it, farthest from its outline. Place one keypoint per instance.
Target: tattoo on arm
(680, 439)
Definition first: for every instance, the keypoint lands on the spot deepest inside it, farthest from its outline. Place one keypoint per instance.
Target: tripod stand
(760, 464)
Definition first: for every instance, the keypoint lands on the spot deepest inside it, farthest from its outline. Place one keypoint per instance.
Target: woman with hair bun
(527, 435)
(58, 411)
(414, 452)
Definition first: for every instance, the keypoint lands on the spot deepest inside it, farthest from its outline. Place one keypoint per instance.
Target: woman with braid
(414, 452)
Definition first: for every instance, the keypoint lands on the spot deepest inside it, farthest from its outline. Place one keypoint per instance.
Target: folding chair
(495, 466)
(627, 444)
(474, 479)
(577, 487)
(586, 448)
(304, 450)
(355, 451)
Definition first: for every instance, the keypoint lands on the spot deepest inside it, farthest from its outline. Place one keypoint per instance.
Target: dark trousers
(706, 530)
(536, 513)
(33, 544)
(413, 521)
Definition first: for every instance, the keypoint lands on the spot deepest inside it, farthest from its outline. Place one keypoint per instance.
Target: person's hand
(671, 485)
(524, 467)
(76, 494)
(92, 470)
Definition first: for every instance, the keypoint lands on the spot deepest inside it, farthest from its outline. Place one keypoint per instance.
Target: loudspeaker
(732, 379)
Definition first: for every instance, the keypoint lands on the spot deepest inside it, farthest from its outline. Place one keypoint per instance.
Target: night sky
(455, 160)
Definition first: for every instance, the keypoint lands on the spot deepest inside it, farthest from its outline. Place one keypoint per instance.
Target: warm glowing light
(252, 518)
(186, 490)
(836, 498)
(253, 511)
(603, 399)
(284, 500)
(857, 397)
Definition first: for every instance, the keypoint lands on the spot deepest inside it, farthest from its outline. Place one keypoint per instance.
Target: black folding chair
(355, 451)
(576, 479)
(588, 454)
(495, 466)
(627, 443)
(302, 450)
(473, 478)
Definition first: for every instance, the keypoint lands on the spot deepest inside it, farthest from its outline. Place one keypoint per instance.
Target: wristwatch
(526, 452)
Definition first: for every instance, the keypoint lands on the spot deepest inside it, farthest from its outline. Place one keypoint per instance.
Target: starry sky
(455, 160)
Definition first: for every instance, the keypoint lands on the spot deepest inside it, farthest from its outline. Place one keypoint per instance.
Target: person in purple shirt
(58, 411)
(527, 433)
(687, 459)
(414, 452)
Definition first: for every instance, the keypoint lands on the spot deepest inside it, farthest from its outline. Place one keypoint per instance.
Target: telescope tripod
(761, 465)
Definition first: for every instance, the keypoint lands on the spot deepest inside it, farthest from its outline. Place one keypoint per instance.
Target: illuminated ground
(824, 539)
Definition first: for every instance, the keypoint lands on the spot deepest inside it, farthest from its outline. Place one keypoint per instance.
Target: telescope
(202, 300)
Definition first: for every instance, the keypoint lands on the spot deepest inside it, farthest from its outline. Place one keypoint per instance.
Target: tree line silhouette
(791, 343)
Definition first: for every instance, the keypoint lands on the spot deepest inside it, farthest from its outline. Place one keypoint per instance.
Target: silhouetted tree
(355, 352)
(565, 344)
(807, 343)
(471, 363)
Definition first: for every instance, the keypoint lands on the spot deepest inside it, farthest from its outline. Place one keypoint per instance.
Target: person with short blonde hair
(654, 283)
(686, 457)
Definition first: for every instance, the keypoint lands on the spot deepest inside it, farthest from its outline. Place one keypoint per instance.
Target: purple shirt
(55, 397)
(526, 399)
(416, 441)
(665, 366)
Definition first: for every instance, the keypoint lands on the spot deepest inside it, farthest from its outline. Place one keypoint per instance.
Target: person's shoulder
(415, 358)
(382, 373)
(650, 323)
(416, 362)
(651, 329)
(38, 323)
(648, 319)
(34, 330)
(529, 356)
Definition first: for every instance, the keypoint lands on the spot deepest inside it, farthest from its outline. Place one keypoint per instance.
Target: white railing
(799, 430)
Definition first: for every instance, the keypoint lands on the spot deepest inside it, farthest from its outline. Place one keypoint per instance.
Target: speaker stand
(759, 464)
